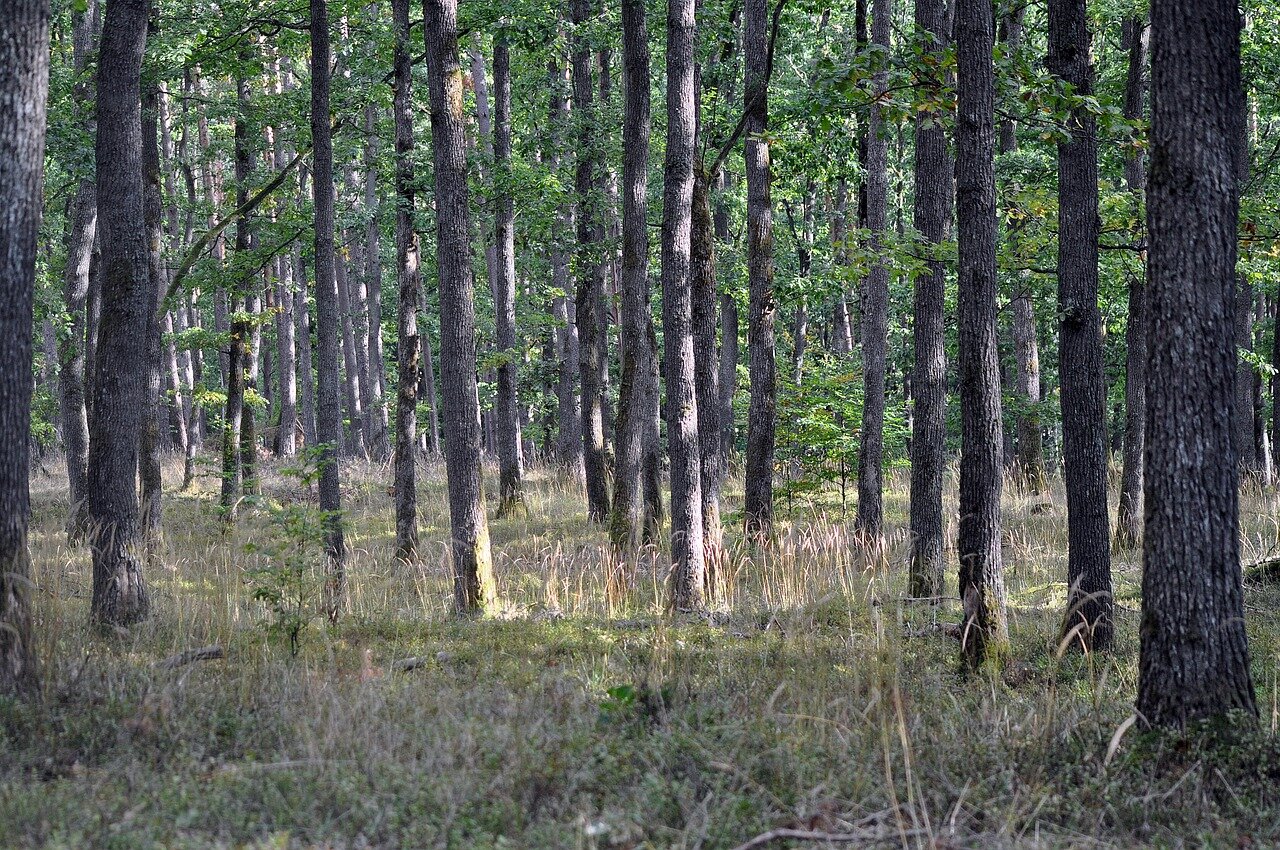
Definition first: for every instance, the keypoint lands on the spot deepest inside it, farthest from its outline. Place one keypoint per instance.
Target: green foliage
(288, 578)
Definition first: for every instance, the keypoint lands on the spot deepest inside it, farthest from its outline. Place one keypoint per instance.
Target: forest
(639, 424)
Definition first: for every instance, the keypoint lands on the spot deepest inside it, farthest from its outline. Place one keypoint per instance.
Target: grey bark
(115, 420)
(409, 284)
(1082, 391)
(82, 218)
(149, 472)
(1194, 661)
(638, 388)
(688, 568)
(985, 628)
(762, 414)
(24, 82)
(474, 588)
(592, 365)
(1129, 513)
(875, 313)
(328, 329)
(510, 453)
(376, 411)
(932, 218)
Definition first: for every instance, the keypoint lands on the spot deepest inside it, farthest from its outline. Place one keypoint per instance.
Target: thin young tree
(592, 340)
(510, 456)
(328, 328)
(637, 389)
(985, 628)
(24, 83)
(688, 569)
(474, 587)
(1129, 513)
(149, 471)
(1194, 660)
(82, 218)
(763, 411)
(115, 417)
(932, 216)
(1083, 394)
(409, 282)
(875, 303)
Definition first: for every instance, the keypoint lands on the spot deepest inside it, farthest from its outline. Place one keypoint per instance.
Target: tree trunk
(82, 218)
(427, 386)
(409, 283)
(376, 411)
(1129, 515)
(590, 285)
(149, 472)
(932, 217)
(762, 415)
(115, 421)
(474, 587)
(328, 328)
(728, 380)
(1083, 393)
(985, 629)
(688, 569)
(875, 302)
(24, 83)
(1194, 660)
(707, 375)
(510, 455)
(302, 336)
(355, 444)
(638, 391)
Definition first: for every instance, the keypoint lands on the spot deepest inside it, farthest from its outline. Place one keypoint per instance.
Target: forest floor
(813, 698)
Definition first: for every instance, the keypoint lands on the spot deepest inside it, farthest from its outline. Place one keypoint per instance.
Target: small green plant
(289, 580)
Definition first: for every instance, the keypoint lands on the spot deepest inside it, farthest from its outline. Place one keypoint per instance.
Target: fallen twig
(190, 656)
(865, 838)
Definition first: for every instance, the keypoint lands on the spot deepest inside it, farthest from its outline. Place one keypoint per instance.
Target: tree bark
(932, 217)
(149, 472)
(762, 414)
(688, 568)
(474, 587)
(355, 444)
(985, 628)
(1194, 661)
(510, 454)
(1083, 393)
(328, 328)
(376, 412)
(707, 376)
(638, 391)
(119, 592)
(1129, 514)
(409, 283)
(590, 284)
(875, 303)
(302, 335)
(24, 83)
(82, 218)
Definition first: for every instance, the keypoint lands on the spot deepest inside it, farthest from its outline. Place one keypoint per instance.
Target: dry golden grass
(812, 696)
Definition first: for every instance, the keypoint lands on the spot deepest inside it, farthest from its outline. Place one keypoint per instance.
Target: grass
(814, 697)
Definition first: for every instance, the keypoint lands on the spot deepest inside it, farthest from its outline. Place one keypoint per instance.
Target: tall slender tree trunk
(82, 217)
(1194, 660)
(409, 283)
(115, 420)
(149, 471)
(638, 391)
(24, 83)
(706, 363)
(932, 217)
(510, 454)
(328, 328)
(728, 381)
(688, 569)
(474, 587)
(376, 410)
(427, 387)
(985, 628)
(762, 415)
(355, 444)
(875, 315)
(590, 284)
(1083, 393)
(1129, 515)
(302, 336)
